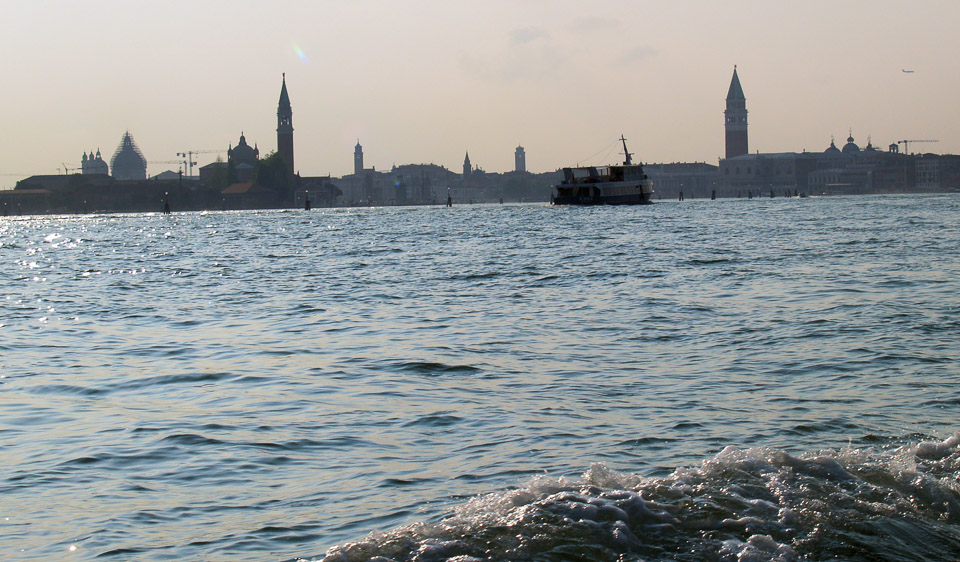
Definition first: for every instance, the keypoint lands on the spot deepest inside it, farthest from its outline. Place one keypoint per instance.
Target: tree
(232, 177)
(271, 172)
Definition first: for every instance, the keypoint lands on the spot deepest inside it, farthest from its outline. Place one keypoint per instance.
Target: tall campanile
(736, 118)
(285, 127)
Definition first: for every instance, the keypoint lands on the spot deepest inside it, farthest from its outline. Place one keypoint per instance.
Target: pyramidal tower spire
(735, 117)
(285, 127)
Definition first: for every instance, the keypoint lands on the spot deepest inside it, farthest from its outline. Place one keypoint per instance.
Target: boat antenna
(627, 162)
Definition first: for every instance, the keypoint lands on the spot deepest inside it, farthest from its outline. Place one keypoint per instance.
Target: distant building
(167, 175)
(93, 165)
(128, 162)
(321, 191)
(211, 170)
(693, 179)
(285, 127)
(466, 165)
(519, 160)
(243, 153)
(752, 174)
(357, 158)
(735, 118)
(835, 171)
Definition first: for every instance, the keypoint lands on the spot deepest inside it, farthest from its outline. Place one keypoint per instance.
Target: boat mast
(627, 162)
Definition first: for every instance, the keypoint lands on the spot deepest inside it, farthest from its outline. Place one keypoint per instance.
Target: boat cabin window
(580, 175)
(634, 173)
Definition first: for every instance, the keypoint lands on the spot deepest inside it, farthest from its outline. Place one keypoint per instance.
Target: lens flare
(301, 54)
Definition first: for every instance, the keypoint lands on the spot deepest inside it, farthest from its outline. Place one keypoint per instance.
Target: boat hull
(638, 199)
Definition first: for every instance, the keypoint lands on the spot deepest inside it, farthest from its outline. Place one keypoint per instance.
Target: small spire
(284, 103)
(735, 92)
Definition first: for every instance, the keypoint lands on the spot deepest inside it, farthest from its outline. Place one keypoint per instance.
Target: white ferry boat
(605, 185)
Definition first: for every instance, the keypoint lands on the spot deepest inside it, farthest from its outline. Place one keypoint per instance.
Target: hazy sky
(425, 81)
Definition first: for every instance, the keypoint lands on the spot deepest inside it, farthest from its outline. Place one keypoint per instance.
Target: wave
(744, 504)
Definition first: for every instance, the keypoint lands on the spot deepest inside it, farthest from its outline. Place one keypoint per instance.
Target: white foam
(743, 504)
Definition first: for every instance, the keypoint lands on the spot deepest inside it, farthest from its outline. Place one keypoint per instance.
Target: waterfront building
(693, 179)
(285, 127)
(93, 165)
(128, 162)
(519, 160)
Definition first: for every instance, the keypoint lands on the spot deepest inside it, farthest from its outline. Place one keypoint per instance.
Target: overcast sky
(426, 81)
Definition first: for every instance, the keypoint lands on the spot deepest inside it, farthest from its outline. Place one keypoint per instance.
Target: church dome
(128, 162)
(832, 149)
(243, 153)
(851, 147)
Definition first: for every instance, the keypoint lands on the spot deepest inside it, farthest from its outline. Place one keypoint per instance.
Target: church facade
(93, 165)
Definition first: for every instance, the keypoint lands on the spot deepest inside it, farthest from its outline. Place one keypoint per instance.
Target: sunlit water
(755, 379)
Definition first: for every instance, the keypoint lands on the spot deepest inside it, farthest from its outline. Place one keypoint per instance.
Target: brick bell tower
(285, 127)
(736, 118)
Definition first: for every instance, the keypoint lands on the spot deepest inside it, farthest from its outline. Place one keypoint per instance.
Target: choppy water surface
(754, 379)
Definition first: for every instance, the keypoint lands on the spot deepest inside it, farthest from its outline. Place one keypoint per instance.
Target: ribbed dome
(832, 149)
(850, 147)
(128, 162)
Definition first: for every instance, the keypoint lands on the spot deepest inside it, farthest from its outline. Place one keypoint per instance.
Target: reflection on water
(269, 384)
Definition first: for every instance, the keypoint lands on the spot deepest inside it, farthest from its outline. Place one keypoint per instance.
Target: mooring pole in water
(771, 194)
(749, 195)
(449, 198)
(681, 197)
(306, 204)
(166, 203)
(713, 195)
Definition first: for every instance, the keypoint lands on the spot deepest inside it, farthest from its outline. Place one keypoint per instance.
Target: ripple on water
(269, 384)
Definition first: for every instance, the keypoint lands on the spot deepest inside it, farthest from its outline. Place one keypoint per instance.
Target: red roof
(241, 188)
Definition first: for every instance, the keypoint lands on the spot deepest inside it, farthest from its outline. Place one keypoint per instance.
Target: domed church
(243, 153)
(851, 147)
(93, 165)
(128, 162)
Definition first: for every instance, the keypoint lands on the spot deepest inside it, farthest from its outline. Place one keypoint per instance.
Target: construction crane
(191, 153)
(906, 144)
(67, 170)
(181, 162)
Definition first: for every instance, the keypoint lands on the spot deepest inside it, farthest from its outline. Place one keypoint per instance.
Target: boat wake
(744, 504)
